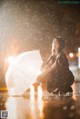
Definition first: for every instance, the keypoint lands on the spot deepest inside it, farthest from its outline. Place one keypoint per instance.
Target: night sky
(32, 24)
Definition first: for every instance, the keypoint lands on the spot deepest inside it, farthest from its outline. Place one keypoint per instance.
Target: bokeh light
(71, 55)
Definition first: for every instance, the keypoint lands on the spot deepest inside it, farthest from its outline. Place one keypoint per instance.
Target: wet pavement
(46, 107)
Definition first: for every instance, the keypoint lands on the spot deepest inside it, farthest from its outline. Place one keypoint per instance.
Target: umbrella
(22, 73)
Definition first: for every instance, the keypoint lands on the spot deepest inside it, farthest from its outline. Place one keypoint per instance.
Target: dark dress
(58, 74)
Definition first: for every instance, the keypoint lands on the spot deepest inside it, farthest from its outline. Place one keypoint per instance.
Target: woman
(56, 73)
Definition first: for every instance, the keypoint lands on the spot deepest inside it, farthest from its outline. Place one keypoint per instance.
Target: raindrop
(72, 107)
(65, 108)
(71, 115)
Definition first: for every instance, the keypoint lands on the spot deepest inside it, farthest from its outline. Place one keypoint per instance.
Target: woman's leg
(51, 86)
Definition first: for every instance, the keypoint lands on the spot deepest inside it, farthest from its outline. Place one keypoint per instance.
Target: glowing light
(39, 93)
(79, 57)
(32, 92)
(12, 107)
(40, 102)
(71, 55)
(32, 68)
(38, 72)
(40, 107)
(75, 91)
(12, 91)
(11, 59)
(23, 73)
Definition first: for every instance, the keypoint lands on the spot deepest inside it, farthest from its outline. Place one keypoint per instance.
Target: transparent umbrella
(22, 73)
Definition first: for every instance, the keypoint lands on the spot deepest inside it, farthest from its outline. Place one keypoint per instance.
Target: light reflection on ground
(20, 108)
(49, 107)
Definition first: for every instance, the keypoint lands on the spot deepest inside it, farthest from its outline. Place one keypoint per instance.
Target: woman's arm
(48, 63)
(41, 78)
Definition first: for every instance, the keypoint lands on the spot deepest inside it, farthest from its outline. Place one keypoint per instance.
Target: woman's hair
(61, 43)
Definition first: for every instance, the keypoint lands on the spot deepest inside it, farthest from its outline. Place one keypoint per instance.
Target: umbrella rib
(20, 71)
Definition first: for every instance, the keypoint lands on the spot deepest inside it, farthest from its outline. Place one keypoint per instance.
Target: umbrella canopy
(22, 73)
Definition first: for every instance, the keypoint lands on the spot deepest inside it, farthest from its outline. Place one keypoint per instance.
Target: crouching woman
(56, 74)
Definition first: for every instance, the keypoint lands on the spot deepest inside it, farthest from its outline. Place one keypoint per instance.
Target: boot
(66, 90)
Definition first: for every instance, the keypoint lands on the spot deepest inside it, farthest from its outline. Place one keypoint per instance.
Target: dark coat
(57, 73)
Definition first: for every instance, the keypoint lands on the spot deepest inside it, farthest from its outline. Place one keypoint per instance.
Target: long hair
(61, 43)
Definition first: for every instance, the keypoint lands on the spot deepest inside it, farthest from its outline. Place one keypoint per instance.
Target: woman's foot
(66, 90)
(63, 90)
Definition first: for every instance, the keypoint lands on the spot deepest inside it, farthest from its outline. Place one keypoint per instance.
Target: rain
(29, 26)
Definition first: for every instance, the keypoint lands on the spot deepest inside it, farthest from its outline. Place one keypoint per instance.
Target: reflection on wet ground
(37, 107)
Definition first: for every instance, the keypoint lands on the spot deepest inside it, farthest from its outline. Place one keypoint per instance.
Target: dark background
(32, 24)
